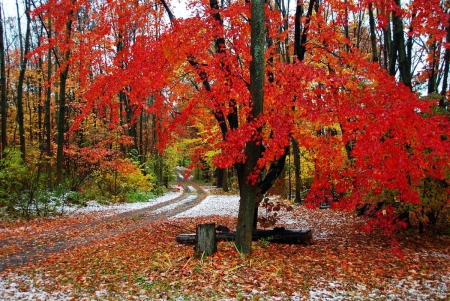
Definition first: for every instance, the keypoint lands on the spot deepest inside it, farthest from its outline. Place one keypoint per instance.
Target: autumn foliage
(373, 139)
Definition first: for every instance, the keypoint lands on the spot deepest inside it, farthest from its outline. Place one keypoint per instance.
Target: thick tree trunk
(249, 188)
(247, 203)
(3, 103)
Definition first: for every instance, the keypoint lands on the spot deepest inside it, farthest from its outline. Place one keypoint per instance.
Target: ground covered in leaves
(344, 263)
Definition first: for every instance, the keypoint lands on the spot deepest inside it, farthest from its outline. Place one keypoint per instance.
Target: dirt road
(27, 247)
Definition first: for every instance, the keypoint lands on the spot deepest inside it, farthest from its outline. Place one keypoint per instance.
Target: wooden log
(277, 235)
(205, 239)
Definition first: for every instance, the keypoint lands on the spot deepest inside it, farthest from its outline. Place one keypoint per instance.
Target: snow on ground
(12, 288)
(214, 205)
(107, 210)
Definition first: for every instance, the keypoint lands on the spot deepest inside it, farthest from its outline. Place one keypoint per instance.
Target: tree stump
(205, 238)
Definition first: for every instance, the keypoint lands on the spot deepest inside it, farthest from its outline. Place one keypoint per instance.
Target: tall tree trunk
(3, 102)
(398, 43)
(123, 98)
(373, 37)
(300, 38)
(24, 49)
(40, 107)
(62, 102)
(47, 108)
(443, 102)
(249, 189)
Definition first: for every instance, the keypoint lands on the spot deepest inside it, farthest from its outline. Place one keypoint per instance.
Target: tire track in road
(20, 251)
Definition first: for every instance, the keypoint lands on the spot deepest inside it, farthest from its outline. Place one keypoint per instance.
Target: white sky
(9, 7)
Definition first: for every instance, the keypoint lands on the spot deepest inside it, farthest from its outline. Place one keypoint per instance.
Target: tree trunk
(300, 39)
(47, 119)
(219, 178)
(62, 102)
(297, 171)
(300, 51)
(387, 47)
(3, 103)
(432, 68)
(346, 32)
(205, 237)
(225, 180)
(249, 189)
(23, 65)
(373, 37)
(398, 46)
(443, 101)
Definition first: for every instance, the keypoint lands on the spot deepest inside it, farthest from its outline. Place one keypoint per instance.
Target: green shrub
(139, 196)
(122, 181)
(14, 180)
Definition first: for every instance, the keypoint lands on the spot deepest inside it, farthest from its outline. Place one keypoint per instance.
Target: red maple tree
(370, 134)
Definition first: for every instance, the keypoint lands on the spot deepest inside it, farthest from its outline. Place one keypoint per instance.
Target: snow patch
(107, 210)
(213, 205)
(18, 287)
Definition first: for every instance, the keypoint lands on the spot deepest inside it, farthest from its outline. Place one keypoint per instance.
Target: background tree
(3, 85)
(24, 49)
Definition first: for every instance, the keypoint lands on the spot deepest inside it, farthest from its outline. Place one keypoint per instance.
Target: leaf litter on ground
(344, 263)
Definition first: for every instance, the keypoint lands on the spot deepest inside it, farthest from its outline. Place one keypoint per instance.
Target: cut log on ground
(277, 235)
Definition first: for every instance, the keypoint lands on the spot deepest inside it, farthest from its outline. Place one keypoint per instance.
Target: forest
(345, 102)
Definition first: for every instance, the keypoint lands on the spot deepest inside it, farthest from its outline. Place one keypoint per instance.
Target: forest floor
(129, 252)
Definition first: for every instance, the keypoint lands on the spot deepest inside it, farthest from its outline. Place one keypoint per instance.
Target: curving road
(21, 250)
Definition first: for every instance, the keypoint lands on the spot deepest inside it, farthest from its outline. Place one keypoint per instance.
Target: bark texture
(205, 238)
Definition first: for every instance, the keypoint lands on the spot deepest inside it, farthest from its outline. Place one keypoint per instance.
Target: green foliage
(139, 196)
(161, 167)
(14, 175)
(434, 210)
(122, 181)
(23, 191)
(266, 241)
